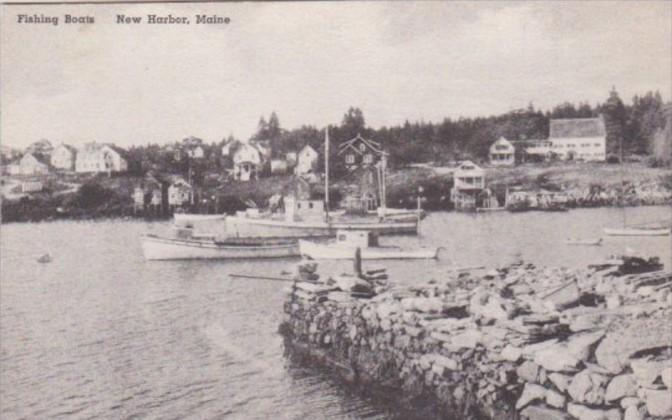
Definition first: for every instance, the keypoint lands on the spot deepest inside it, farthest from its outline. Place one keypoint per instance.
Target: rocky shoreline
(517, 342)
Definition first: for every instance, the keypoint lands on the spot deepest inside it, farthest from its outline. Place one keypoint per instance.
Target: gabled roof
(577, 127)
(307, 146)
(68, 147)
(38, 157)
(370, 143)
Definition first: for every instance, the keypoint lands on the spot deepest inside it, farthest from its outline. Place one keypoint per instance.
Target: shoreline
(518, 341)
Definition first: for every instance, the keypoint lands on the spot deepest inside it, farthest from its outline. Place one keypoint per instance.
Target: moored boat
(637, 231)
(347, 243)
(174, 248)
(587, 242)
(195, 217)
(242, 225)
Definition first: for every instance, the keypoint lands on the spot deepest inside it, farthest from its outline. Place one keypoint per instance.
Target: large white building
(100, 157)
(579, 139)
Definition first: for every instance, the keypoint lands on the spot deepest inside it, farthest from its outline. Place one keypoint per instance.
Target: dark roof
(372, 144)
(577, 127)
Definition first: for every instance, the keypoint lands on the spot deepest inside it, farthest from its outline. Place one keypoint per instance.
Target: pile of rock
(541, 343)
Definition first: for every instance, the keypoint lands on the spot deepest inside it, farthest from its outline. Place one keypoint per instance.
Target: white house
(306, 161)
(179, 192)
(64, 157)
(195, 152)
(502, 153)
(579, 138)
(100, 157)
(33, 164)
(247, 162)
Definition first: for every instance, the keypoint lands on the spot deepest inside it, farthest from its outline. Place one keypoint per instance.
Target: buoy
(46, 258)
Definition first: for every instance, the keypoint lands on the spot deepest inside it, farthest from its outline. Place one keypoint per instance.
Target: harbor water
(101, 333)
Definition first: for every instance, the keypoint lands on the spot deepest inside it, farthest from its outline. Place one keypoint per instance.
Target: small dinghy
(637, 231)
(346, 245)
(46, 258)
(587, 242)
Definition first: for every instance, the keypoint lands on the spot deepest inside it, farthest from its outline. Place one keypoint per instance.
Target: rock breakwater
(517, 342)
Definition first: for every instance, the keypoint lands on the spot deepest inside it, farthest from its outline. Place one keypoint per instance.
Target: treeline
(637, 123)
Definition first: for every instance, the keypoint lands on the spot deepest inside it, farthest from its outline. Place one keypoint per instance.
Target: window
(597, 145)
(368, 158)
(349, 158)
(362, 147)
(310, 205)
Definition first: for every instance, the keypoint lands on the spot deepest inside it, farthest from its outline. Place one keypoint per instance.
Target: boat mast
(326, 172)
(620, 160)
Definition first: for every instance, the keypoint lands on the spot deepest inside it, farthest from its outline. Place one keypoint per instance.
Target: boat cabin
(356, 238)
(303, 209)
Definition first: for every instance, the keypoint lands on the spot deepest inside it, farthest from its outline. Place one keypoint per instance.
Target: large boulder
(616, 349)
(587, 387)
(557, 358)
(543, 413)
(531, 392)
(659, 402)
(582, 412)
(621, 386)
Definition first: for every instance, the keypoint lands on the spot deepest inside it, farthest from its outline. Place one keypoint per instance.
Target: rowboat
(195, 217)
(587, 242)
(347, 243)
(172, 248)
(637, 231)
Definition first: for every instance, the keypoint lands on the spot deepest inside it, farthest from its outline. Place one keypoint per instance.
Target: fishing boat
(243, 225)
(637, 231)
(347, 243)
(46, 258)
(195, 217)
(587, 242)
(185, 246)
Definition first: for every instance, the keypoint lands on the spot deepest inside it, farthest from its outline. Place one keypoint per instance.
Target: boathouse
(468, 183)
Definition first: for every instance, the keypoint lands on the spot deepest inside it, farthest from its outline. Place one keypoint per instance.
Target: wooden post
(358, 262)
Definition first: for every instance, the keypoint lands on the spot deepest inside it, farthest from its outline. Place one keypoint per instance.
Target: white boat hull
(194, 217)
(637, 231)
(157, 248)
(586, 242)
(245, 227)
(339, 252)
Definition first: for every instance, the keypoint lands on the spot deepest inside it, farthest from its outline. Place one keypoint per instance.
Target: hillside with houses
(367, 166)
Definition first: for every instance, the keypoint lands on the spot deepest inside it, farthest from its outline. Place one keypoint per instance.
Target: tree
(353, 123)
(615, 119)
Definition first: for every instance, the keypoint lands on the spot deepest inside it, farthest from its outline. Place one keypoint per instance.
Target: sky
(310, 62)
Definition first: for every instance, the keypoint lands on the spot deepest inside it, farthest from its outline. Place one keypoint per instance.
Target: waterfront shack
(468, 183)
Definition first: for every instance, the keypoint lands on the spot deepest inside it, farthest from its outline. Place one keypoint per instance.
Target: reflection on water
(99, 332)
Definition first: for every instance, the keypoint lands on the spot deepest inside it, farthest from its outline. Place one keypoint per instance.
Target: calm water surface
(100, 333)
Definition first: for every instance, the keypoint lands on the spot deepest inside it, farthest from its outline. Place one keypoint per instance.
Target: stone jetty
(519, 341)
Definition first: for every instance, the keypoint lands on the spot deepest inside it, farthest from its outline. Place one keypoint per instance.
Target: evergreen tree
(353, 123)
(614, 119)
